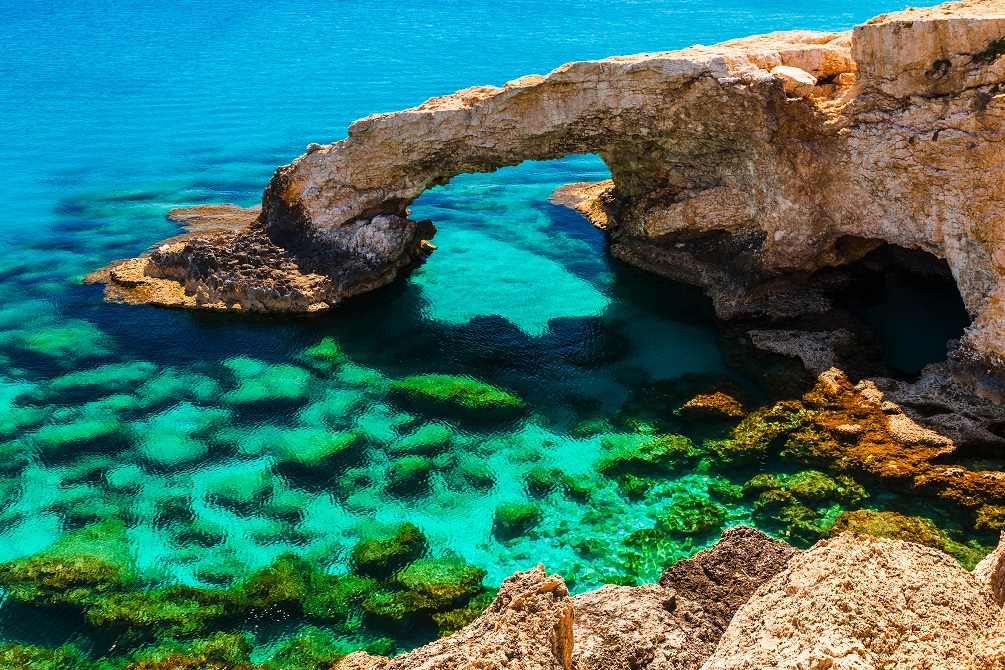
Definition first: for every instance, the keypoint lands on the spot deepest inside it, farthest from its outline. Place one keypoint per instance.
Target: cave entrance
(911, 300)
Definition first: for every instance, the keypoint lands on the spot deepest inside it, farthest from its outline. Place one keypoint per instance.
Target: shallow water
(219, 440)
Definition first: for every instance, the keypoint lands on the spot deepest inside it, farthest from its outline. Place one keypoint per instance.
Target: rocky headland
(742, 167)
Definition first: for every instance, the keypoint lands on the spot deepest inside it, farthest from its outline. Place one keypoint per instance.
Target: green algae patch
(219, 651)
(138, 617)
(382, 557)
(79, 569)
(109, 378)
(439, 583)
(336, 598)
(71, 341)
(325, 356)
(31, 657)
(448, 623)
(279, 587)
(409, 476)
(459, 392)
(690, 514)
(258, 381)
(430, 439)
(801, 506)
(514, 519)
(644, 456)
(424, 588)
(312, 648)
(910, 529)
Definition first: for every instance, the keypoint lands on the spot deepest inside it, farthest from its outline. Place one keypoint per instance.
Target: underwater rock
(853, 429)
(459, 392)
(280, 587)
(513, 519)
(907, 528)
(220, 650)
(716, 406)
(842, 604)
(644, 455)
(409, 476)
(905, 112)
(528, 625)
(382, 557)
(336, 598)
(82, 567)
(689, 514)
(795, 504)
(325, 356)
(258, 381)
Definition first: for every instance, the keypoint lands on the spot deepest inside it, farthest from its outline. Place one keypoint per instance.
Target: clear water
(194, 425)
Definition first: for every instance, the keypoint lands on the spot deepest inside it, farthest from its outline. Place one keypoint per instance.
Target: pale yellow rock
(860, 602)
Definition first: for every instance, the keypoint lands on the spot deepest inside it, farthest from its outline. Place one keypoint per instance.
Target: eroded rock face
(731, 164)
(527, 627)
(861, 602)
(676, 623)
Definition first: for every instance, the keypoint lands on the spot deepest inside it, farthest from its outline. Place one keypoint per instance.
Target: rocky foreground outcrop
(747, 602)
(731, 165)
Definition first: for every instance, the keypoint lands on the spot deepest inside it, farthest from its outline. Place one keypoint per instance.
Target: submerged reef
(87, 582)
(889, 133)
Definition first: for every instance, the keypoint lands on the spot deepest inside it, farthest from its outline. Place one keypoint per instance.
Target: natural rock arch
(731, 165)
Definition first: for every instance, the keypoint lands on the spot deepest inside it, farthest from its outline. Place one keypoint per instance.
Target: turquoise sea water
(213, 436)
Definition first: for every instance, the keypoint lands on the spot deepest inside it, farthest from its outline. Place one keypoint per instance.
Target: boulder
(860, 602)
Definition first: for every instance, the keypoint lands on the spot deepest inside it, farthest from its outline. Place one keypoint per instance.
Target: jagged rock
(676, 623)
(527, 627)
(860, 602)
(991, 573)
(721, 578)
(898, 142)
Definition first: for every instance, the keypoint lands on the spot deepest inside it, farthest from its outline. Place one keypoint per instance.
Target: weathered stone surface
(727, 168)
(860, 602)
(527, 627)
(676, 623)
(991, 573)
(360, 660)
(720, 579)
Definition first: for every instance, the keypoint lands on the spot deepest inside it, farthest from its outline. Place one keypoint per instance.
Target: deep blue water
(113, 112)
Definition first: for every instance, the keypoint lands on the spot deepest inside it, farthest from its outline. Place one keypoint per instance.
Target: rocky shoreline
(741, 167)
(747, 602)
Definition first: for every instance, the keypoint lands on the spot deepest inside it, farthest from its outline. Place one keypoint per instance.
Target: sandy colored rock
(991, 573)
(360, 660)
(860, 602)
(527, 627)
(989, 650)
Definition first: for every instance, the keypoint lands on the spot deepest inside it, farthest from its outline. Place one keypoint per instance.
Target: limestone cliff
(731, 166)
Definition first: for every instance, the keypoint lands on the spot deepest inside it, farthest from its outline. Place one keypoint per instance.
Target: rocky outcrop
(747, 602)
(731, 165)
(527, 627)
(861, 602)
(676, 623)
